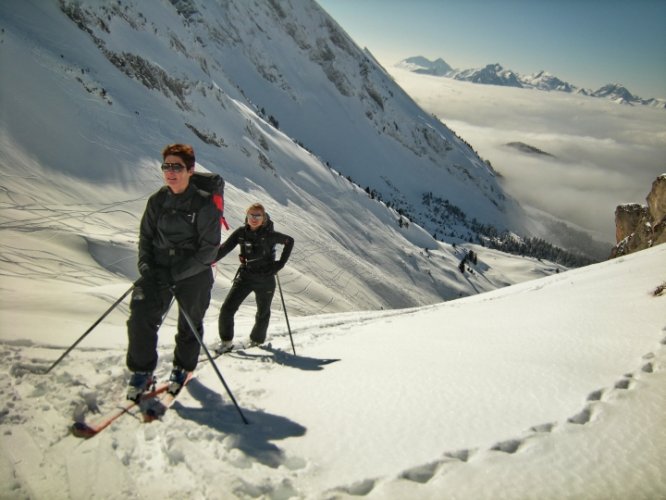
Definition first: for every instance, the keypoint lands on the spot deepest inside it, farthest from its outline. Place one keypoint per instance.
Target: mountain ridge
(496, 74)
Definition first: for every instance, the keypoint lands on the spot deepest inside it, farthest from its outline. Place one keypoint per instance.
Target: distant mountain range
(495, 74)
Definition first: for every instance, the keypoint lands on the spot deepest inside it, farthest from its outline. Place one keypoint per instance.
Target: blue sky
(588, 43)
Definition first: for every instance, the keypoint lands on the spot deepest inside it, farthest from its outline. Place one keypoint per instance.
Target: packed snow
(553, 388)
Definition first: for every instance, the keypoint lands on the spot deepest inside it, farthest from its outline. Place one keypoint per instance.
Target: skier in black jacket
(257, 241)
(178, 240)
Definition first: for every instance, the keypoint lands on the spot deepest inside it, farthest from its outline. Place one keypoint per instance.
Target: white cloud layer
(603, 153)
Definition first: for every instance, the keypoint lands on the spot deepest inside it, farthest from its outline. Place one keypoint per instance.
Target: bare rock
(638, 227)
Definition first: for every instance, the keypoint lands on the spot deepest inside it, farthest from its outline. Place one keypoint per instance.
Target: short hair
(184, 151)
(256, 206)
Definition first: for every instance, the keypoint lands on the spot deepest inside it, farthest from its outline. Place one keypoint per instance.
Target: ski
(155, 408)
(85, 430)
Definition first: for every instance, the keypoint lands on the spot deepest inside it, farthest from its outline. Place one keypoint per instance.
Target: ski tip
(82, 430)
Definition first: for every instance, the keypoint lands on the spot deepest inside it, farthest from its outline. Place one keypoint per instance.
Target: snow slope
(271, 95)
(554, 388)
(417, 397)
(97, 89)
(80, 144)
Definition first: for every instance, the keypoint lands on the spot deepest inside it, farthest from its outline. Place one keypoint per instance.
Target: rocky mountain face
(302, 73)
(638, 227)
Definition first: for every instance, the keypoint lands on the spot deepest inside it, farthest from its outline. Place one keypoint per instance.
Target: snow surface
(553, 388)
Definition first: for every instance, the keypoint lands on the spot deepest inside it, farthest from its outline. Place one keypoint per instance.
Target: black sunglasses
(173, 167)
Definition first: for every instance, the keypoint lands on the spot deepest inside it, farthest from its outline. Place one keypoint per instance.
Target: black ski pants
(245, 283)
(193, 296)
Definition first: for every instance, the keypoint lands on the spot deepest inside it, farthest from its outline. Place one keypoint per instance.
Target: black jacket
(179, 232)
(257, 248)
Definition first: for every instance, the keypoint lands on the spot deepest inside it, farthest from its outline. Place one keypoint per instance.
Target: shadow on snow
(284, 358)
(254, 439)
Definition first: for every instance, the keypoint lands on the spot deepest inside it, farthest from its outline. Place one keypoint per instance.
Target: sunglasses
(255, 216)
(173, 167)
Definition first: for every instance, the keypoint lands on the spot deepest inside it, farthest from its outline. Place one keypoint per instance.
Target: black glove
(163, 276)
(145, 271)
(277, 267)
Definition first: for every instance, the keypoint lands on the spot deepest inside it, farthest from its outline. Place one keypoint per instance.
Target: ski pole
(284, 307)
(212, 362)
(92, 327)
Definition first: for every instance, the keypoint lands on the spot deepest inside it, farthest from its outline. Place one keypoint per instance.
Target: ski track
(39, 461)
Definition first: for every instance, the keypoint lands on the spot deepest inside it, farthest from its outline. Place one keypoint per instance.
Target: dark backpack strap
(198, 202)
(161, 198)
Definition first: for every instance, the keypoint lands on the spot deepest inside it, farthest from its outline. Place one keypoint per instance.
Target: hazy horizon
(588, 44)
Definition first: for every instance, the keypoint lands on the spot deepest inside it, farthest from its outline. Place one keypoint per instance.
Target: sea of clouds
(599, 153)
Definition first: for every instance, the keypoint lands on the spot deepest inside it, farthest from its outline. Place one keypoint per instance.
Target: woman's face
(255, 218)
(176, 180)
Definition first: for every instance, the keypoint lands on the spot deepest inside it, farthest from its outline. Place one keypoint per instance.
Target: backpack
(212, 184)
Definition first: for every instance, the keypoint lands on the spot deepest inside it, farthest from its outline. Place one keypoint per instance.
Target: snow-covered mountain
(619, 93)
(543, 80)
(495, 74)
(420, 64)
(492, 74)
(276, 98)
(490, 396)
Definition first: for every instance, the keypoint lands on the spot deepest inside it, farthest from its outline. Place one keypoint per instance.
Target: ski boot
(176, 380)
(139, 383)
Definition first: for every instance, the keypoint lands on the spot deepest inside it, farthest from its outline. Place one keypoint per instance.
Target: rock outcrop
(638, 227)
